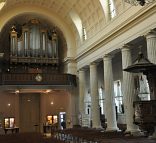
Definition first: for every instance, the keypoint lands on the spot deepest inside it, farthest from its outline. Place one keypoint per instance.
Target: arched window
(118, 96)
(84, 34)
(112, 8)
(87, 103)
(108, 8)
(143, 89)
(101, 100)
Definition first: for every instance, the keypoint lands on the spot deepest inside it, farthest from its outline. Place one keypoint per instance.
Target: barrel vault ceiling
(90, 11)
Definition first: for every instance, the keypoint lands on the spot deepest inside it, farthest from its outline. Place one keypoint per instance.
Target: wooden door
(29, 112)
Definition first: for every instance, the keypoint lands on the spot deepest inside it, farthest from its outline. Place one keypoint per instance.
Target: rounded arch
(47, 14)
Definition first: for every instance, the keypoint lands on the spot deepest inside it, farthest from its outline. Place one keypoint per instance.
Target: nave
(65, 60)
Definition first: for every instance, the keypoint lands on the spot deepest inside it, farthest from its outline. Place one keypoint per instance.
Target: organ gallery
(35, 50)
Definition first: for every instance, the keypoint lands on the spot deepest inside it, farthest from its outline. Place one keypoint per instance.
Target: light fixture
(48, 91)
(17, 91)
(139, 2)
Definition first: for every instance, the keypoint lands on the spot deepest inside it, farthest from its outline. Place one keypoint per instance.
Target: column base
(97, 127)
(134, 132)
(112, 129)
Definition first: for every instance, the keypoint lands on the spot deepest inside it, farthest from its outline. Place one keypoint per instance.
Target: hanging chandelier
(139, 2)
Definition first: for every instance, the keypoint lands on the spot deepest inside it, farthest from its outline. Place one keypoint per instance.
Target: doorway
(29, 112)
(62, 120)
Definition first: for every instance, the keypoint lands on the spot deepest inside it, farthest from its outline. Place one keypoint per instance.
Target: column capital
(150, 34)
(93, 63)
(81, 69)
(107, 57)
(126, 47)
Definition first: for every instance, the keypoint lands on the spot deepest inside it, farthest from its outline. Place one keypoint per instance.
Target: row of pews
(75, 135)
(90, 135)
(27, 138)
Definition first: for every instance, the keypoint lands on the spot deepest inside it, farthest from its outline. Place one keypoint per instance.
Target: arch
(47, 14)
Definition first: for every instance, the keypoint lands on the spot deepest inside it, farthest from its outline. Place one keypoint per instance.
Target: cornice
(69, 60)
(139, 16)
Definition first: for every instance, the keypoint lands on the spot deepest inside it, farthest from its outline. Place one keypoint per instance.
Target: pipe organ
(34, 46)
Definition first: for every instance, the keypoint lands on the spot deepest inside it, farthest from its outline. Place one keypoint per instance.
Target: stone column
(151, 54)
(95, 110)
(73, 92)
(151, 43)
(109, 94)
(81, 91)
(128, 90)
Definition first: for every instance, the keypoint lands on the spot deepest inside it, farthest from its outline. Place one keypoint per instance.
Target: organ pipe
(43, 44)
(13, 42)
(34, 42)
(54, 45)
(25, 49)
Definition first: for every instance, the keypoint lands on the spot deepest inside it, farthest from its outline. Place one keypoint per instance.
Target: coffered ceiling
(90, 11)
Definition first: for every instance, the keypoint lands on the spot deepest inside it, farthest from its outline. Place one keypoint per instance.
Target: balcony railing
(37, 79)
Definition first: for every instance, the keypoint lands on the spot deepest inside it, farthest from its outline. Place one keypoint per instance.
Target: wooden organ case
(34, 46)
(35, 57)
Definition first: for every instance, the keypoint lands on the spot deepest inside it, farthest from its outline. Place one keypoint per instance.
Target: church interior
(77, 71)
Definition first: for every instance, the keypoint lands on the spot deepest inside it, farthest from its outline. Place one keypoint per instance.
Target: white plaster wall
(60, 101)
(9, 111)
